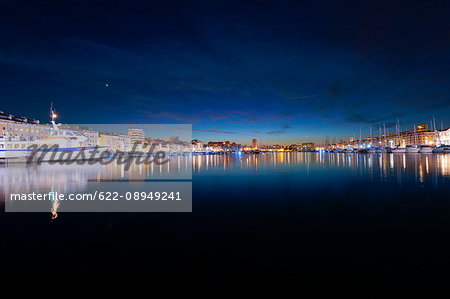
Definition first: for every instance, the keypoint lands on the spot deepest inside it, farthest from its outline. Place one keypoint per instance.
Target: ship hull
(64, 154)
(412, 150)
(442, 149)
(426, 150)
(399, 150)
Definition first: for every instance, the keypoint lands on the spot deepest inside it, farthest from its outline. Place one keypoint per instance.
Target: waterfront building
(136, 135)
(444, 137)
(255, 143)
(295, 147)
(174, 139)
(411, 138)
(22, 127)
(223, 146)
(115, 141)
(418, 136)
(93, 137)
(308, 146)
(197, 145)
(174, 144)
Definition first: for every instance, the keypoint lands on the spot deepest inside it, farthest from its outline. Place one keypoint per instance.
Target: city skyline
(183, 132)
(285, 72)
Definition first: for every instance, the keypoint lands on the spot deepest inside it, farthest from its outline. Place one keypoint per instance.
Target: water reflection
(375, 166)
(398, 168)
(23, 178)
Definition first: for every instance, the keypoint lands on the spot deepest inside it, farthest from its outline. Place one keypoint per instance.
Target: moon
(106, 84)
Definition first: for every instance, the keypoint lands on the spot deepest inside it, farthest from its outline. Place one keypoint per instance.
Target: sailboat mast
(379, 135)
(436, 135)
(53, 116)
(415, 135)
(360, 137)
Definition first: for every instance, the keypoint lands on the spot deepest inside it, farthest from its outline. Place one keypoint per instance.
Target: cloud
(435, 106)
(284, 128)
(174, 116)
(217, 131)
(366, 118)
(303, 97)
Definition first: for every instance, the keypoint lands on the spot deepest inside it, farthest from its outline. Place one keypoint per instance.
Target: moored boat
(399, 150)
(412, 149)
(426, 149)
(387, 150)
(442, 149)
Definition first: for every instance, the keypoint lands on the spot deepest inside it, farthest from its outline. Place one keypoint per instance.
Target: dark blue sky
(281, 71)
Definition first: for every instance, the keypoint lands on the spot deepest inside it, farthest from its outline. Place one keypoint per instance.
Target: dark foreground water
(318, 220)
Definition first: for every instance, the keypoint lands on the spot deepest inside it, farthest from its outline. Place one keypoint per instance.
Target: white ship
(14, 147)
(61, 145)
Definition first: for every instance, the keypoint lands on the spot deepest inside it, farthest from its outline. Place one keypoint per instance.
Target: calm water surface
(280, 216)
(288, 171)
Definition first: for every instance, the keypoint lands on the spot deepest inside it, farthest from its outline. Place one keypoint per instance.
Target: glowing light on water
(55, 206)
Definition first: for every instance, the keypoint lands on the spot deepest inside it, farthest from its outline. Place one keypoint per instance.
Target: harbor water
(280, 216)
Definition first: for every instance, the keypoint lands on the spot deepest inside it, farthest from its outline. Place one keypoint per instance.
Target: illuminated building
(308, 146)
(29, 129)
(136, 135)
(115, 141)
(444, 137)
(255, 143)
(93, 137)
(174, 139)
(420, 135)
(197, 145)
(223, 146)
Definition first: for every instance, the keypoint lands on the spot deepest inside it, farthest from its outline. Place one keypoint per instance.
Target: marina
(391, 167)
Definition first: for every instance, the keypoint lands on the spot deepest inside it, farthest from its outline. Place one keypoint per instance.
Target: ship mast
(360, 137)
(53, 116)
(436, 135)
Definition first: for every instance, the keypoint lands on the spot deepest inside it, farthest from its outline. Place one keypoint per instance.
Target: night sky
(279, 71)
